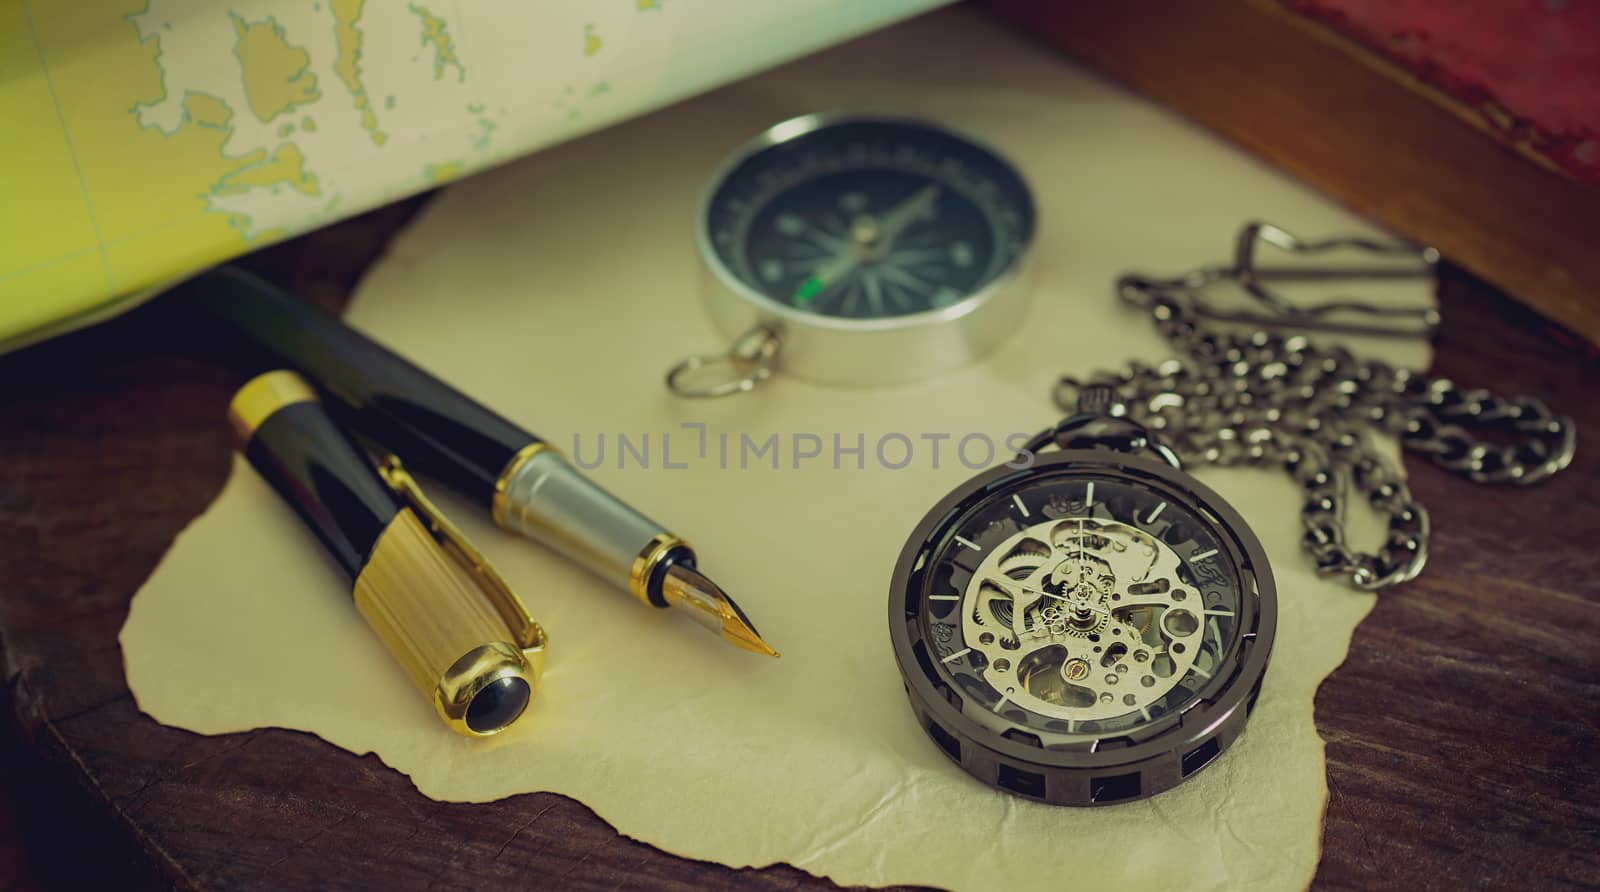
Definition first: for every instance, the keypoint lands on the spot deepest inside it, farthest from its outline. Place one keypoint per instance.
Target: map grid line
(66, 133)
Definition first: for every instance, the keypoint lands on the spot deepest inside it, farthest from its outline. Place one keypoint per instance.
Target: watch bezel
(1218, 709)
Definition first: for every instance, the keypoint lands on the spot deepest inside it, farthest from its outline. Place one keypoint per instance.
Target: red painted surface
(1530, 67)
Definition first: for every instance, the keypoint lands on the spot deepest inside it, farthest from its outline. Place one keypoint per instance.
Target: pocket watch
(858, 251)
(1084, 626)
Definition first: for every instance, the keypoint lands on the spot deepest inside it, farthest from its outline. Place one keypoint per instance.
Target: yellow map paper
(558, 290)
(142, 139)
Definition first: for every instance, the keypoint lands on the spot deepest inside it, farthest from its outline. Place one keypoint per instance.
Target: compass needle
(863, 250)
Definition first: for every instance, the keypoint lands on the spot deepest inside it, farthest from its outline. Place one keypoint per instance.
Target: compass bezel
(1143, 761)
(878, 350)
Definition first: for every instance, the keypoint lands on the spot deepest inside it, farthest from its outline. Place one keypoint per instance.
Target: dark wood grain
(1464, 728)
(1462, 731)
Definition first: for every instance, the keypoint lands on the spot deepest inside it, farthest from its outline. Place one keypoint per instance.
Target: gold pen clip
(529, 635)
(467, 641)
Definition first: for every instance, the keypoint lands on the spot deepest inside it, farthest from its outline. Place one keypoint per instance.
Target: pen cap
(464, 639)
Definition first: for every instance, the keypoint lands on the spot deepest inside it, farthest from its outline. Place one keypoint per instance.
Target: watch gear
(1098, 629)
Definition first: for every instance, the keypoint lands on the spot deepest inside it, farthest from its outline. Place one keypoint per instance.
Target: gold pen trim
(444, 613)
(503, 482)
(262, 396)
(529, 634)
(644, 566)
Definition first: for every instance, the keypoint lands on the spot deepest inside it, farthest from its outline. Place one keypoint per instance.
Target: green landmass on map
(346, 16)
(441, 172)
(285, 167)
(436, 33)
(277, 75)
(205, 129)
(205, 110)
(486, 128)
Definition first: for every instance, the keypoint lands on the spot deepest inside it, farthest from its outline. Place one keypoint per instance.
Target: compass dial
(869, 219)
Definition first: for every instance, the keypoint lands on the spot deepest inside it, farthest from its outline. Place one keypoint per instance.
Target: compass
(1091, 628)
(859, 251)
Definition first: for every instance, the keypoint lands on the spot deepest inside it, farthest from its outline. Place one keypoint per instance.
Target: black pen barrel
(440, 431)
(325, 477)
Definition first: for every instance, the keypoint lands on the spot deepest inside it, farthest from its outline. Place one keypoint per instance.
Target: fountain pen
(466, 640)
(526, 484)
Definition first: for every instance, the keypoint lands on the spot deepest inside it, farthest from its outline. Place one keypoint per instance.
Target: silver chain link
(1261, 398)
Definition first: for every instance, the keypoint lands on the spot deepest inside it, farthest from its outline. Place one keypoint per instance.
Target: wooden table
(1462, 731)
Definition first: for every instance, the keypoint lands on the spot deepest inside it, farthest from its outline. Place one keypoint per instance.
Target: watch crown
(1116, 432)
(1101, 399)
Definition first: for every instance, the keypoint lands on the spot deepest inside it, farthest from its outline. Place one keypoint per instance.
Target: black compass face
(1081, 604)
(865, 219)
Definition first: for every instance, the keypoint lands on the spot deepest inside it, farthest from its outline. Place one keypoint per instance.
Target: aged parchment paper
(557, 290)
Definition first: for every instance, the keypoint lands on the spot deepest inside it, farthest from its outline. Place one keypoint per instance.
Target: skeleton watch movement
(1084, 626)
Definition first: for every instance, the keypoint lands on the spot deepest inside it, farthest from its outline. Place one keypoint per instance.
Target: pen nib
(711, 607)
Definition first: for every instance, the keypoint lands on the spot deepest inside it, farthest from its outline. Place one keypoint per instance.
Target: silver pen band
(544, 497)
